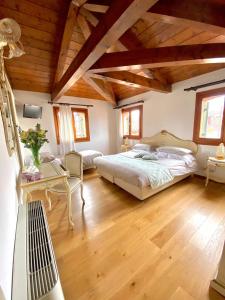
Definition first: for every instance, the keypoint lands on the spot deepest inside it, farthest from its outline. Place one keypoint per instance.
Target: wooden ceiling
(106, 49)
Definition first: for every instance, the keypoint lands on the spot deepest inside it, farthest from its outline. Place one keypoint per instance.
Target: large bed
(144, 178)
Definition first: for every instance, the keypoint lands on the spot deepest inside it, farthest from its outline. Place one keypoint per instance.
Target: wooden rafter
(84, 26)
(96, 7)
(79, 2)
(134, 80)
(131, 42)
(128, 41)
(119, 17)
(102, 87)
(66, 38)
(91, 18)
(118, 46)
(205, 15)
(160, 57)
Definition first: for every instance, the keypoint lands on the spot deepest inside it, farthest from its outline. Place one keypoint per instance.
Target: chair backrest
(74, 164)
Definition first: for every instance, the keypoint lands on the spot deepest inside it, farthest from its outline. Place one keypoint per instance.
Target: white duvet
(88, 158)
(177, 166)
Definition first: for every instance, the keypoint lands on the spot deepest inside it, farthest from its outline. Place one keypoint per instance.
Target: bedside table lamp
(220, 151)
(126, 146)
(126, 141)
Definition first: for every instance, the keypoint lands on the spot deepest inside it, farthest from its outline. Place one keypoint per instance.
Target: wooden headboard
(165, 138)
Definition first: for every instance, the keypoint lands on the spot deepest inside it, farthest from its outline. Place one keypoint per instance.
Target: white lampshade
(10, 34)
(9, 30)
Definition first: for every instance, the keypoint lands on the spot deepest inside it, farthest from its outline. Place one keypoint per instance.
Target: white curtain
(119, 122)
(66, 130)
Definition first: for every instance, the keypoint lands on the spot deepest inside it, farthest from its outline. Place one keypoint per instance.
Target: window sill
(79, 141)
(82, 140)
(131, 137)
(208, 142)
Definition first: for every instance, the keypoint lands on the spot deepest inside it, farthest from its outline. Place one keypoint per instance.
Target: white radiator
(35, 274)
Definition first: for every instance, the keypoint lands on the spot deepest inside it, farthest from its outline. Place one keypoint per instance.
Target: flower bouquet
(34, 139)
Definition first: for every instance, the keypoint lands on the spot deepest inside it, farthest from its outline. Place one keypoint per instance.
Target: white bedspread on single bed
(138, 178)
(88, 157)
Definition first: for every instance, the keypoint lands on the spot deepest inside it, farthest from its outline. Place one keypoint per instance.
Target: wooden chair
(74, 164)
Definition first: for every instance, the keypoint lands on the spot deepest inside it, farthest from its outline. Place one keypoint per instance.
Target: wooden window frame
(129, 110)
(56, 121)
(198, 108)
(85, 111)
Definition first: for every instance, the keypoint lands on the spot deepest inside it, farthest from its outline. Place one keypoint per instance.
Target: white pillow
(144, 147)
(169, 155)
(150, 156)
(174, 150)
(140, 153)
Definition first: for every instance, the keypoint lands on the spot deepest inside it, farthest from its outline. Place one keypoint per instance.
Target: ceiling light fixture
(10, 34)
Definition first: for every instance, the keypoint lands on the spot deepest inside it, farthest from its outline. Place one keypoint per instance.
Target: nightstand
(125, 148)
(213, 162)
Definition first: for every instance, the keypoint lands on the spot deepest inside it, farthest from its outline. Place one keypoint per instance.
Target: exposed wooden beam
(134, 80)
(131, 42)
(84, 26)
(67, 34)
(119, 17)
(93, 20)
(156, 74)
(79, 2)
(206, 15)
(89, 16)
(160, 57)
(96, 7)
(102, 87)
(144, 72)
(118, 46)
(128, 41)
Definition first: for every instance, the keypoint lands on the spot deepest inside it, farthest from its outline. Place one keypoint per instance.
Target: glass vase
(36, 157)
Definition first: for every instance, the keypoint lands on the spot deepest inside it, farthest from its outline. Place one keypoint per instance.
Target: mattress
(117, 165)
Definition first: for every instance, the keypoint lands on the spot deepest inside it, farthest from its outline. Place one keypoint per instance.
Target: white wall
(101, 121)
(46, 121)
(175, 113)
(8, 215)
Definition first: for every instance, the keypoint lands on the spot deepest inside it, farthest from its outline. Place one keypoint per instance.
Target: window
(80, 124)
(132, 122)
(209, 125)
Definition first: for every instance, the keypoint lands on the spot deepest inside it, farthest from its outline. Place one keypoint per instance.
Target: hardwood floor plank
(166, 247)
(181, 294)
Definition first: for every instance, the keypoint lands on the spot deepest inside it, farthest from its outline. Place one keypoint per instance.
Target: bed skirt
(140, 193)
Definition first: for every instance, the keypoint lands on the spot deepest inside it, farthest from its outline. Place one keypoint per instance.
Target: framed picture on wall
(7, 120)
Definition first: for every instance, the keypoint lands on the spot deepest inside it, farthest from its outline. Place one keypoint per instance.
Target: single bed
(143, 178)
(88, 157)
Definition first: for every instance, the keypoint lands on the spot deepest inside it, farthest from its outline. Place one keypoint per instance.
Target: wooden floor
(166, 247)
